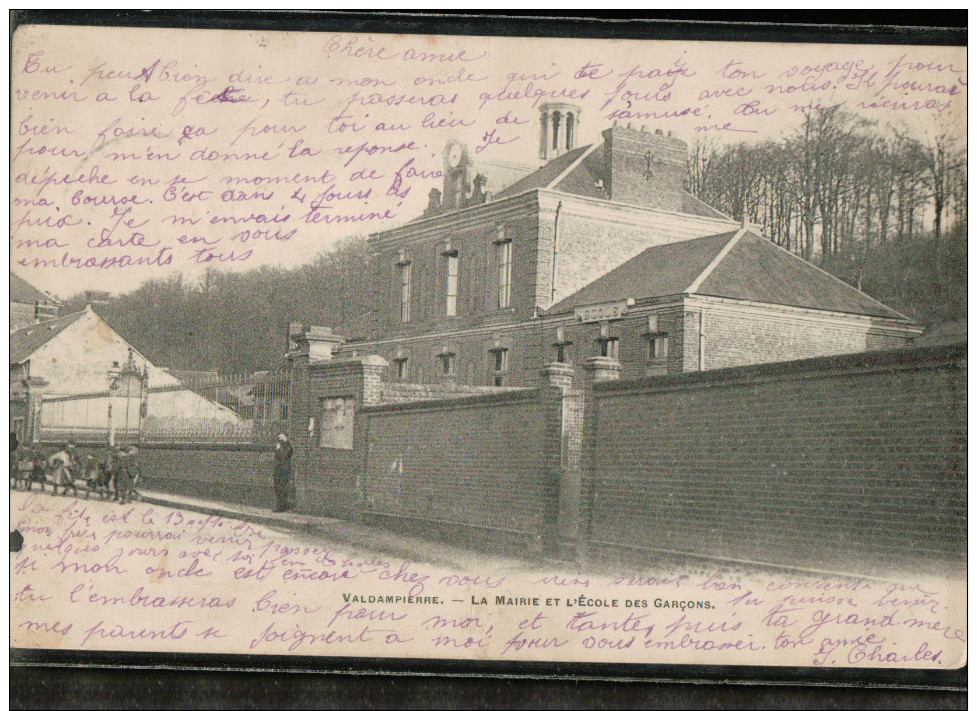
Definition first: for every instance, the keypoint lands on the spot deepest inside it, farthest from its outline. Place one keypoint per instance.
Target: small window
(402, 371)
(608, 347)
(447, 363)
(562, 346)
(657, 340)
(336, 422)
(657, 347)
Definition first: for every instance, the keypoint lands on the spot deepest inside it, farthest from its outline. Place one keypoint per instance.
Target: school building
(599, 251)
(580, 359)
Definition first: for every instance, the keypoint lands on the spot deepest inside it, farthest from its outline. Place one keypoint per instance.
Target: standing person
(14, 459)
(88, 468)
(106, 467)
(32, 466)
(123, 476)
(111, 466)
(60, 464)
(135, 472)
(283, 471)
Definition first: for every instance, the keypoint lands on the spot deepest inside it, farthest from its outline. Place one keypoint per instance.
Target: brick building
(599, 251)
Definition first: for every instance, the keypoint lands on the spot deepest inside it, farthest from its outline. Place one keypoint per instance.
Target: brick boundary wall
(235, 473)
(842, 461)
(240, 474)
(481, 469)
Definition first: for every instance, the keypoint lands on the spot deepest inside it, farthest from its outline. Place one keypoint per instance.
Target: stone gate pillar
(598, 370)
(560, 479)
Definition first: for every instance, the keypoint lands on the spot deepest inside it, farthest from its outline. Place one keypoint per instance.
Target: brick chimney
(644, 168)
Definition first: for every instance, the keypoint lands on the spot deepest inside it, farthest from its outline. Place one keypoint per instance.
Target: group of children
(112, 474)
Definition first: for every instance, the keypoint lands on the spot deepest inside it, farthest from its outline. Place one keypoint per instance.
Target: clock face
(454, 155)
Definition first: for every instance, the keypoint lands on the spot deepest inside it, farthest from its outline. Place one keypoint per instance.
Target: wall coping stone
(901, 359)
(509, 395)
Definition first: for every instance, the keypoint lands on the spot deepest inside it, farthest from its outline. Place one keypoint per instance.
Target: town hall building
(599, 251)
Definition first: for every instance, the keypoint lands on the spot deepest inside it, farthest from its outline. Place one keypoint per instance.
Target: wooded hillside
(235, 322)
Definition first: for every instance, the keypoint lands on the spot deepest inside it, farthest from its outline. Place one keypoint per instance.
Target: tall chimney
(644, 168)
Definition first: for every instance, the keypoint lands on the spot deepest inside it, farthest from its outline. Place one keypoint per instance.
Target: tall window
(501, 369)
(503, 250)
(404, 292)
(657, 340)
(451, 284)
(657, 347)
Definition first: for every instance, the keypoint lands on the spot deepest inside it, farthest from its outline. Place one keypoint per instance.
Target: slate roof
(694, 206)
(657, 271)
(25, 342)
(543, 177)
(22, 292)
(734, 265)
(583, 179)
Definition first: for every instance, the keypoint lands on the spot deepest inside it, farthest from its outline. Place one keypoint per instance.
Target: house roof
(735, 265)
(23, 292)
(544, 176)
(25, 342)
(657, 271)
(582, 172)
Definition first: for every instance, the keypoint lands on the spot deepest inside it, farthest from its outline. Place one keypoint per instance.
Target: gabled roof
(25, 342)
(758, 270)
(544, 177)
(657, 271)
(582, 172)
(734, 265)
(22, 292)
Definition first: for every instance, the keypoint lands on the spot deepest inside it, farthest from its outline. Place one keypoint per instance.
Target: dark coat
(283, 457)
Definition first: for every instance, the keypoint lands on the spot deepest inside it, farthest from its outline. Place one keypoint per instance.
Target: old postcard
(490, 348)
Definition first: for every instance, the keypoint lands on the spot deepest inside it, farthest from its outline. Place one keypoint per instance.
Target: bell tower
(559, 125)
